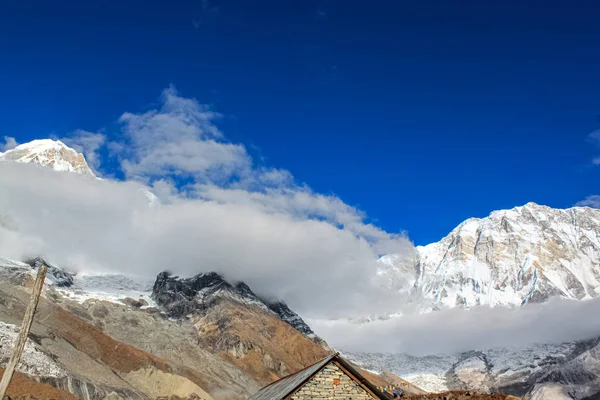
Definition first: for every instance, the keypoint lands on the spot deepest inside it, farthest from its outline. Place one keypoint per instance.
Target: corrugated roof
(280, 389)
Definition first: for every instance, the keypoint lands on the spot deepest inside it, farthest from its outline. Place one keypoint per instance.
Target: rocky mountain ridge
(249, 348)
(184, 297)
(510, 258)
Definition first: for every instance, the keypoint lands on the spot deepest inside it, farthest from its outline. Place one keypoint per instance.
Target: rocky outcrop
(287, 315)
(59, 277)
(181, 298)
(185, 297)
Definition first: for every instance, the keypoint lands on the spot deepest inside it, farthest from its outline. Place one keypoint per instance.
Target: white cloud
(9, 143)
(89, 144)
(84, 224)
(590, 201)
(594, 137)
(248, 222)
(179, 140)
(301, 203)
(481, 328)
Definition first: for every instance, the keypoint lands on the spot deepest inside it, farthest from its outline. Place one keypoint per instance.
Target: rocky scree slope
(71, 352)
(578, 378)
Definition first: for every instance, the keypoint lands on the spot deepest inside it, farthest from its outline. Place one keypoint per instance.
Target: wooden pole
(24, 332)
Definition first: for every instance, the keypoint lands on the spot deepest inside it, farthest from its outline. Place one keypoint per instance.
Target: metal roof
(280, 389)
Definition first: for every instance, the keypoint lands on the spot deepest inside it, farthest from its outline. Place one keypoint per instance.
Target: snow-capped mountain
(60, 157)
(509, 370)
(512, 257)
(47, 152)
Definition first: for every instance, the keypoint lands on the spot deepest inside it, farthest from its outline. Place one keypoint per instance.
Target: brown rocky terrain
(126, 351)
(91, 364)
(257, 342)
(176, 342)
(462, 395)
(22, 387)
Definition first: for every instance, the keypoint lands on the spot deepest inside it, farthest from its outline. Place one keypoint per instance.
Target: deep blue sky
(420, 113)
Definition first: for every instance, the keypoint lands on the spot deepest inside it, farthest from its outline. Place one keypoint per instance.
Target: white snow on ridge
(112, 288)
(7, 263)
(510, 258)
(47, 152)
(502, 366)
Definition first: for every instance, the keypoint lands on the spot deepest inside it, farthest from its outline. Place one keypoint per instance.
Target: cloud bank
(481, 328)
(219, 212)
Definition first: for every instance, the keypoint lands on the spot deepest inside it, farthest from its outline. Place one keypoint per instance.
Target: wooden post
(24, 332)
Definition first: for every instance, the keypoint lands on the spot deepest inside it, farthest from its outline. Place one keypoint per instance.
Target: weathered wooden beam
(24, 331)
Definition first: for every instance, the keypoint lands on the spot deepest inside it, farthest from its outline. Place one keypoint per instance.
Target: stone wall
(331, 383)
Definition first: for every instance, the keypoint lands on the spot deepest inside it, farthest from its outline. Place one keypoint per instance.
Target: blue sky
(421, 114)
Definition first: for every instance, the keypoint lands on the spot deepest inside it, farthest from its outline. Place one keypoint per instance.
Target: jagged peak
(183, 297)
(531, 210)
(51, 153)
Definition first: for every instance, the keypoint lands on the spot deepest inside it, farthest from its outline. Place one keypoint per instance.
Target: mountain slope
(579, 378)
(232, 322)
(227, 343)
(70, 352)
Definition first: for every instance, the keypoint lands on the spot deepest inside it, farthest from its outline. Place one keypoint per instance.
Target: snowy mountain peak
(510, 258)
(48, 152)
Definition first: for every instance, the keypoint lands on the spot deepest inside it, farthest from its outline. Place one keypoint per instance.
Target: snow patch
(33, 361)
